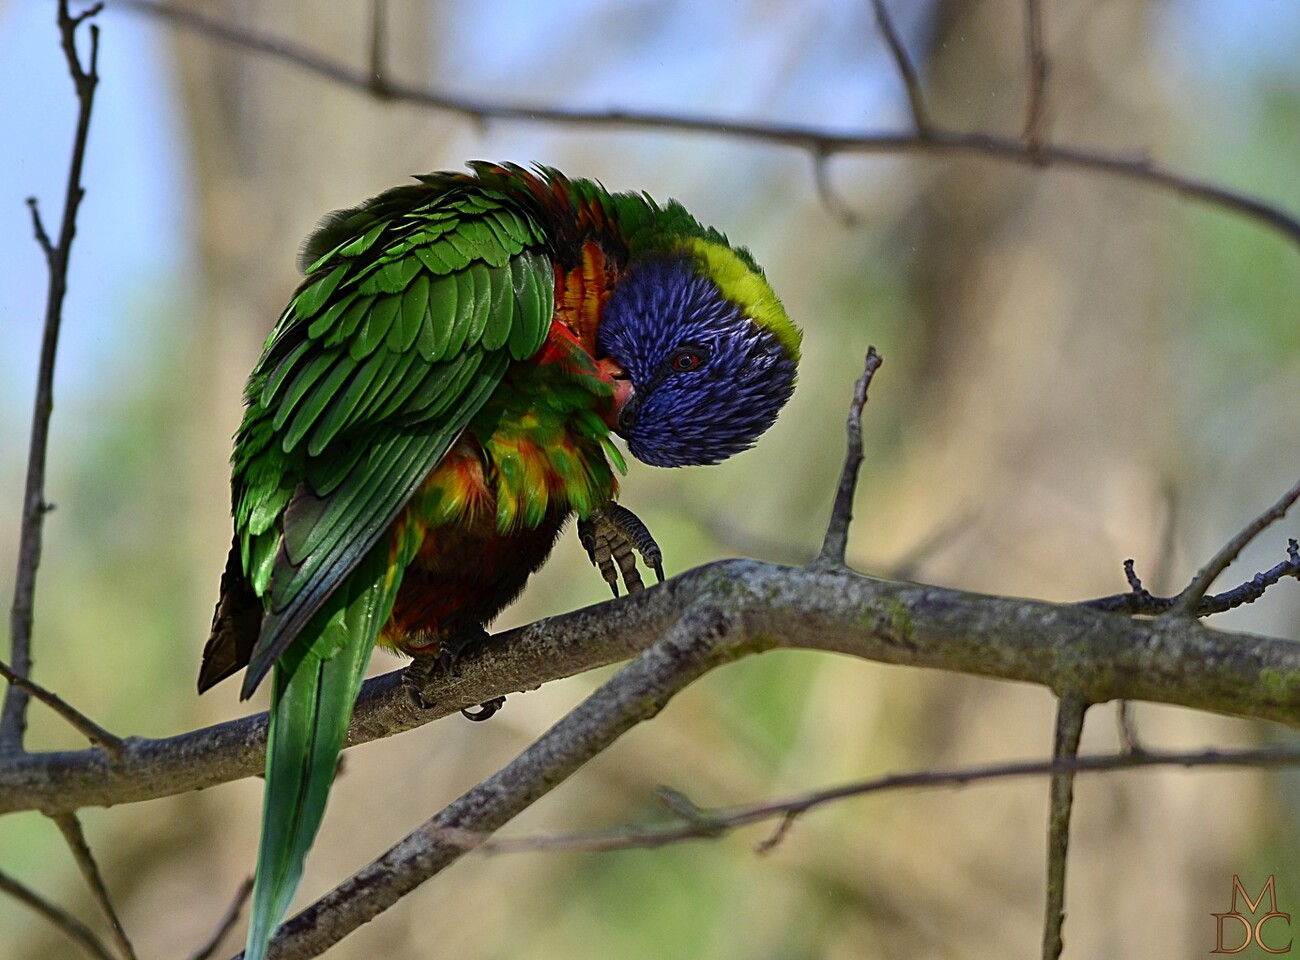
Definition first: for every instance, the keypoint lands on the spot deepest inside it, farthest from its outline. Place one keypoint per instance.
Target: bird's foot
(417, 675)
(454, 644)
(610, 534)
(424, 666)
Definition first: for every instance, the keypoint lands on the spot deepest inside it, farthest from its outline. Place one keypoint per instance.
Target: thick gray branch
(1100, 656)
(637, 693)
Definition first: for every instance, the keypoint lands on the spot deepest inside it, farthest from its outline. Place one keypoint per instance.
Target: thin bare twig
(1036, 61)
(1141, 602)
(1187, 602)
(831, 200)
(915, 99)
(69, 925)
(379, 48)
(1126, 723)
(110, 744)
(686, 809)
(70, 826)
(812, 139)
(13, 716)
(1126, 712)
(707, 823)
(1070, 710)
(835, 545)
(783, 827)
(38, 227)
(227, 922)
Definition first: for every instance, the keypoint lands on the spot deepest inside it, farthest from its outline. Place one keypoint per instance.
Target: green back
(413, 306)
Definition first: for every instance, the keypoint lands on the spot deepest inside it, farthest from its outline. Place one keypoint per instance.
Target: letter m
(1268, 888)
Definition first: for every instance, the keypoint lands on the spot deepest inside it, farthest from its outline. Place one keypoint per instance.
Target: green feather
(348, 321)
(405, 381)
(315, 294)
(430, 257)
(364, 242)
(506, 228)
(272, 384)
(266, 511)
(308, 375)
(315, 404)
(374, 328)
(441, 382)
(447, 252)
(497, 324)
(260, 561)
(315, 688)
(614, 454)
(533, 320)
(325, 321)
(403, 333)
(351, 412)
(431, 340)
(529, 297)
(444, 309)
(343, 407)
(461, 331)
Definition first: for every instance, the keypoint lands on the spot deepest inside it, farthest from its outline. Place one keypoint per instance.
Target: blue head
(709, 350)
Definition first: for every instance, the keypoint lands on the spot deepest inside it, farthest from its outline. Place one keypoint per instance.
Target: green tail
(315, 687)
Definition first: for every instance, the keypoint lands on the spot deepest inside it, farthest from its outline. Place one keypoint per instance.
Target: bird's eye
(686, 360)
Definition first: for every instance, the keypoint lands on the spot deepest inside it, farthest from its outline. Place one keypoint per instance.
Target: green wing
(413, 307)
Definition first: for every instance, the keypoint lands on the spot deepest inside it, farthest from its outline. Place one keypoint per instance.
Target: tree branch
(814, 140)
(1170, 660)
(1070, 710)
(13, 715)
(1036, 62)
(835, 544)
(379, 48)
(903, 63)
(1186, 602)
(701, 638)
(88, 728)
(704, 822)
(704, 618)
(209, 949)
(69, 925)
(1139, 601)
(70, 826)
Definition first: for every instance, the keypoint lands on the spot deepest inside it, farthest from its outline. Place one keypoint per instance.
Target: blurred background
(1078, 370)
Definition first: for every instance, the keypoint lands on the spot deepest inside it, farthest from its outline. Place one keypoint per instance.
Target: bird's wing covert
(406, 322)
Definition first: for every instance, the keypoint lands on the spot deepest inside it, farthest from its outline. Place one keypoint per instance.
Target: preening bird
(434, 404)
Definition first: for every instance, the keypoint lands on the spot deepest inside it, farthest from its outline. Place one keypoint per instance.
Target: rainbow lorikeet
(434, 404)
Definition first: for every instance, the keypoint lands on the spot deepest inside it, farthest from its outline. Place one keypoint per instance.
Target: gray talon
(610, 535)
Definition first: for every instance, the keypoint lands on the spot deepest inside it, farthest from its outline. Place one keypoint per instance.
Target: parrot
(433, 406)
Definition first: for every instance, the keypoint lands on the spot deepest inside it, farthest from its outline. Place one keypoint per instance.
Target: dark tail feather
(235, 625)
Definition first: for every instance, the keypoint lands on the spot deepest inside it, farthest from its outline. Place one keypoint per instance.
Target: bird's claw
(423, 666)
(418, 673)
(486, 710)
(610, 534)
